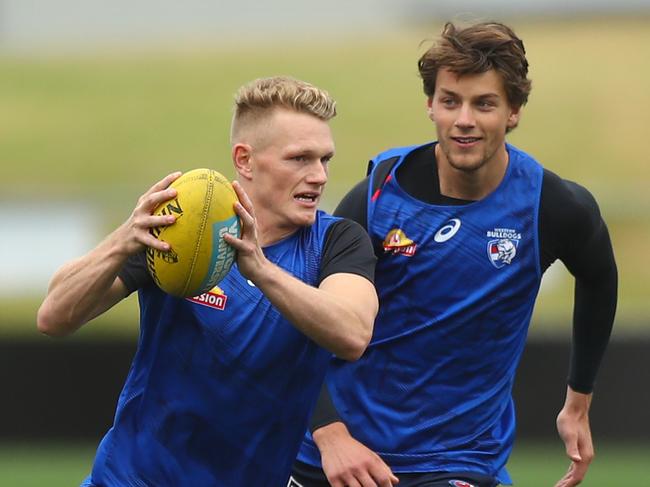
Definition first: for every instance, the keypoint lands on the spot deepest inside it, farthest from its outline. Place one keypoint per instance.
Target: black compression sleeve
(572, 229)
(324, 412)
(593, 312)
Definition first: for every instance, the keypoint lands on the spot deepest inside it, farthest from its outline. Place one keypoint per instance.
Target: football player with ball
(222, 384)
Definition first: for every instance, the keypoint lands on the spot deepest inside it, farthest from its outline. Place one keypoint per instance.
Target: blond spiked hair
(260, 97)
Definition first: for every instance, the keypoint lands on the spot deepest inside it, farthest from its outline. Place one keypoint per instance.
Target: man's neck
(269, 234)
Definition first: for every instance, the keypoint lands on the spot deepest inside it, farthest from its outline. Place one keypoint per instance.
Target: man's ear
(241, 158)
(513, 118)
(430, 108)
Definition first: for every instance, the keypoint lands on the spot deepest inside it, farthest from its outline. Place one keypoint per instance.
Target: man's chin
(466, 164)
(305, 218)
(309, 220)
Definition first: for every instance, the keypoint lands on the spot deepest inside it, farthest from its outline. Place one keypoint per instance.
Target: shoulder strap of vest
(381, 171)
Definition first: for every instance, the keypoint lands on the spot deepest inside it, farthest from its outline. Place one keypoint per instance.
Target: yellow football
(199, 257)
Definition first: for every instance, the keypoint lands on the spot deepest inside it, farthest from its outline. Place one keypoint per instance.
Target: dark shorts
(304, 475)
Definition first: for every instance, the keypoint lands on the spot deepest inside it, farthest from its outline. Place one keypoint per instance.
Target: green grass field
(99, 128)
(531, 465)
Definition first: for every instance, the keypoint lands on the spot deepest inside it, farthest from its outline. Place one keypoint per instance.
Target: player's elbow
(356, 344)
(358, 340)
(355, 351)
(48, 323)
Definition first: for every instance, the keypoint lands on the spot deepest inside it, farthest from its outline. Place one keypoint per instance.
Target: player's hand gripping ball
(199, 257)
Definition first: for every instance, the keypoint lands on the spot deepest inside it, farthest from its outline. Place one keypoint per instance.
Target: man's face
(471, 114)
(289, 166)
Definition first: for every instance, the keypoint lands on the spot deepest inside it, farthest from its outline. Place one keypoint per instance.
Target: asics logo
(447, 231)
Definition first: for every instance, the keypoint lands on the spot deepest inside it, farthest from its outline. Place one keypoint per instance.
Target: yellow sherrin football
(199, 257)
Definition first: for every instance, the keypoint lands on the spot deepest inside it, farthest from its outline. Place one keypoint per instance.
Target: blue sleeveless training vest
(221, 387)
(457, 285)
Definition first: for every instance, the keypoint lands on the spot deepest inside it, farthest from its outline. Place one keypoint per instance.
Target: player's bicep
(348, 270)
(355, 292)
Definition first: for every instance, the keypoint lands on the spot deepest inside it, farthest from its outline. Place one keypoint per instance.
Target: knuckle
(138, 222)
(143, 201)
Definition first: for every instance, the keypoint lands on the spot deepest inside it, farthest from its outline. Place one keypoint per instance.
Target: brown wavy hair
(476, 49)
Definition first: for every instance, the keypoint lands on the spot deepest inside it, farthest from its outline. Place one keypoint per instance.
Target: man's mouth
(307, 197)
(466, 140)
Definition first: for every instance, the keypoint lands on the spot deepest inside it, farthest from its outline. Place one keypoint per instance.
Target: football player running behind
(464, 228)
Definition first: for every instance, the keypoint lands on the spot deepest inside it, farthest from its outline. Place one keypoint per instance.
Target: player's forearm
(330, 320)
(78, 288)
(593, 318)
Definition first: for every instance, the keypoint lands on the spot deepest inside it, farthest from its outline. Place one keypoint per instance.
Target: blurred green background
(95, 130)
(92, 129)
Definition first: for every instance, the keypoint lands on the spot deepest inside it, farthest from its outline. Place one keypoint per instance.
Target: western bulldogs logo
(501, 252)
(503, 248)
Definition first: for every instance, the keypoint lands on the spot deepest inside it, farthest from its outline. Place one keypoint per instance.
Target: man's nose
(465, 117)
(318, 173)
